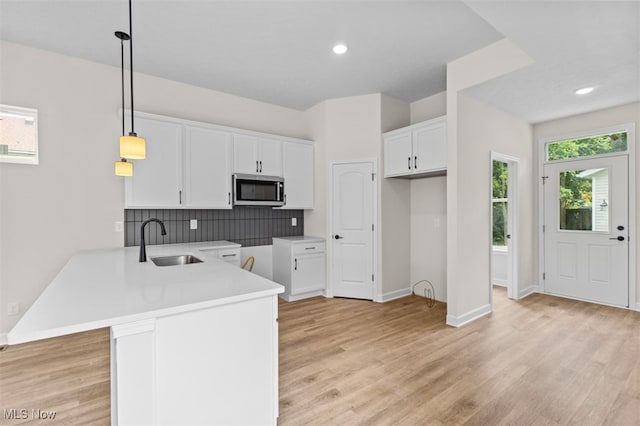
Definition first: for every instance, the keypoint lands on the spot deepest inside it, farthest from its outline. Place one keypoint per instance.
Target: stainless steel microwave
(258, 190)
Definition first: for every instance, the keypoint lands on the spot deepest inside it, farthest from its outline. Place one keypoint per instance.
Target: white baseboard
(381, 298)
(459, 321)
(3, 339)
(637, 306)
(527, 291)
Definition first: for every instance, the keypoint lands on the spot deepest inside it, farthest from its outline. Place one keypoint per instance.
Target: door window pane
(584, 200)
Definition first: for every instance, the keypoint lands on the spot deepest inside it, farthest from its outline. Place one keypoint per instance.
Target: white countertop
(300, 239)
(102, 288)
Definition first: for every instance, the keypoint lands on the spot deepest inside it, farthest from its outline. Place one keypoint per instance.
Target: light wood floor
(69, 375)
(539, 361)
(542, 360)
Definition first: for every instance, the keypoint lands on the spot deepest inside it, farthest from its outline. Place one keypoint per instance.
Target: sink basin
(181, 259)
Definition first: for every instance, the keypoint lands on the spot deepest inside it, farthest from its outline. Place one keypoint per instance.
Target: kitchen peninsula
(190, 344)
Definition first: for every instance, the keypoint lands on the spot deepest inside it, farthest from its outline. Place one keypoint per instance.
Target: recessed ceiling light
(340, 49)
(584, 90)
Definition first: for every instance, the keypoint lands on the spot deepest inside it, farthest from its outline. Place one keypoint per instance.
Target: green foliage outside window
(585, 147)
(500, 190)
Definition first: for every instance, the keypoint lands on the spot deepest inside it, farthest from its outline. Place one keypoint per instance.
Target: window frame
(22, 111)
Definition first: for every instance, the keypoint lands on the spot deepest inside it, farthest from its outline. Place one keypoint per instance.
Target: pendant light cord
(133, 132)
(122, 72)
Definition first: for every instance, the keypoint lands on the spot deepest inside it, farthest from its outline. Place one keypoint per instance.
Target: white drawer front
(232, 255)
(308, 248)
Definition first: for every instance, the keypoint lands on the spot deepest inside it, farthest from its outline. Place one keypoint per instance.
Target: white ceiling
(280, 51)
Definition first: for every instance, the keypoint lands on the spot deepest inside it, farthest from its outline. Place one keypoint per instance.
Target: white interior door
(586, 229)
(352, 234)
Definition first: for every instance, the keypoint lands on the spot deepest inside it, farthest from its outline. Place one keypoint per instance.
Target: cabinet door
(298, 175)
(156, 180)
(270, 157)
(430, 148)
(245, 154)
(398, 159)
(308, 273)
(207, 169)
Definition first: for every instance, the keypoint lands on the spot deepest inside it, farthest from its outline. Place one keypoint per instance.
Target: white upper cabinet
(417, 150)
(156, 180)
(298, 175)
(256, 155)
(190, 164)
(207, 168)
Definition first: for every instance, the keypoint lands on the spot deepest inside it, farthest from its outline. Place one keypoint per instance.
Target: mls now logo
(16, 414)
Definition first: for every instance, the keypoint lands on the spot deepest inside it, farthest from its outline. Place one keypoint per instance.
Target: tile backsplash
(249, 226)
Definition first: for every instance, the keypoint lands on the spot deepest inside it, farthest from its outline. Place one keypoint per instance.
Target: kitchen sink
(181, 259)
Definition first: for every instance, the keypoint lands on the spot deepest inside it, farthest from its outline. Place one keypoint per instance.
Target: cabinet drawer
(232, 255)
(308, 248)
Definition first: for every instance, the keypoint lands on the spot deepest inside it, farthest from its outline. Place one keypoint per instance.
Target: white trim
(528, 291)
(637, 307)
(212, 126)
(374, 201)
(630, 128)
(392, 295)
(3, 339)
(513, 164)
(132, 328)
(459, 321)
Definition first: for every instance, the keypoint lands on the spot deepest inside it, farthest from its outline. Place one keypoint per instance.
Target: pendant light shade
(132, 147)
(123, 168)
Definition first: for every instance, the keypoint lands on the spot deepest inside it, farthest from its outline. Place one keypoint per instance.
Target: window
(18, 135)
(583, 200)
(500, 203)
(587, 147)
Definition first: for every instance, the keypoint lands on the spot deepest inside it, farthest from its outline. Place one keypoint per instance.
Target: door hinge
(373, 176)
(372, 226)
(544, 179)
(372, 277)
(544, 228)
(544, 275)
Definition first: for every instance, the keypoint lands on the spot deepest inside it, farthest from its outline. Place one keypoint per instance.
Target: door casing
(512, 220)
(631, 141)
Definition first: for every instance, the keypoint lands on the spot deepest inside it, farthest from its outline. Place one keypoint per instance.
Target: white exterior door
(352, 230)
(586, 229)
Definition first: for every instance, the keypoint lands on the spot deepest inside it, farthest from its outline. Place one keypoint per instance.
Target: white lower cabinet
(228, 254)
(299, 265)
(217, 365)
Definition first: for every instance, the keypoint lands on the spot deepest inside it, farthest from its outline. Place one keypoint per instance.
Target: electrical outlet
(193, 224)
(294, 221)
(118, 226)
(13, 308)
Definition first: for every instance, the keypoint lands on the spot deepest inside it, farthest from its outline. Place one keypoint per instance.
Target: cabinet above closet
(419, 150)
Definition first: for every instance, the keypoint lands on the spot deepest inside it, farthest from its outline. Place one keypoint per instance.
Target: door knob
(619, 238)
(337, 237)
(620, 228)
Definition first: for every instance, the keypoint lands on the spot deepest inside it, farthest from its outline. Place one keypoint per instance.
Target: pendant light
(132, 146)
(122, 167)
